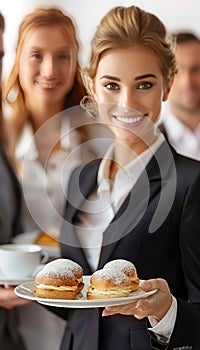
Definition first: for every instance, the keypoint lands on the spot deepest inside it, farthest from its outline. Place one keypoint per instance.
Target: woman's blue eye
(112, 86)
(145, 86)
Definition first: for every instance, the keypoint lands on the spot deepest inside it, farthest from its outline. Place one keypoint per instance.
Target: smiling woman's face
(46, 66)
(129, 89)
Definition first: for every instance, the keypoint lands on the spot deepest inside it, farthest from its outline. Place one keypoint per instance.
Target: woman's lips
(128, 120)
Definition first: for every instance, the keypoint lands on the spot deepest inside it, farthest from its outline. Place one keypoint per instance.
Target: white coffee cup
(20, 260)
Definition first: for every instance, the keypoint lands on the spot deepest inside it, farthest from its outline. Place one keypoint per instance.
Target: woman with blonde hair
(73, 89)
(44, 82)
(43, 85)
(146, 197)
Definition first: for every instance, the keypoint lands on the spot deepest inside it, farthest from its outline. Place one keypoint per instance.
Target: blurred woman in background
(44, 82)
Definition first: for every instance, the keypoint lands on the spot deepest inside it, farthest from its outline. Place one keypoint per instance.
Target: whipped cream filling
(59, 288)
(109, 292)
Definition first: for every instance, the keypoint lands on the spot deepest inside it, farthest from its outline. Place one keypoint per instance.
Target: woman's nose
(48, 67)
(128, 99)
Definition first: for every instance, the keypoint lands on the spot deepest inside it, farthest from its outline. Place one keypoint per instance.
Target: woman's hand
(8, 298)
(155, 305)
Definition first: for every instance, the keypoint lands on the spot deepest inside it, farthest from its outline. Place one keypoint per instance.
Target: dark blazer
(9, 336)
(17, 197)
(157, 228)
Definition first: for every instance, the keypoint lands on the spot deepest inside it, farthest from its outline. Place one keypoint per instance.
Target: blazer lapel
(86, 178)
(147, 189)
(137, 204)
(127, 217)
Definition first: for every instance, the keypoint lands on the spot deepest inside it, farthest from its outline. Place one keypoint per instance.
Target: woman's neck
(46, 135)
(39, 115)
(124, 153)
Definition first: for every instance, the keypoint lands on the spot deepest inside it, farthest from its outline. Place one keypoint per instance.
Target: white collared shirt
(103, 203)
(44, 188)
(99, 210)
(184, 140)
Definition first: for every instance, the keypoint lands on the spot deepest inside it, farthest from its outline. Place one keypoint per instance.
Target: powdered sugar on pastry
(60, 279)
(118, 278)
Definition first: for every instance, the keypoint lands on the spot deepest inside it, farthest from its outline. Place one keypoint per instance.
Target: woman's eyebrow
(34, 47)
(144, 76)
(110, 77)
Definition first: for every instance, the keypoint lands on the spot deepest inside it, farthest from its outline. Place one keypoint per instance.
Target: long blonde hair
(39, 18)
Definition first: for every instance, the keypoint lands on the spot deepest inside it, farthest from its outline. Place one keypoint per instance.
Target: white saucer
(17, 281)
(13, 282)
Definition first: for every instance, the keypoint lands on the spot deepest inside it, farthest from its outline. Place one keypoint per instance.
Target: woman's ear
(88, 83)
(91, 89)
(167, 90)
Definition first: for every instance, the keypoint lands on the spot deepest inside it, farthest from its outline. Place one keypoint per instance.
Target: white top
(184, 140)
(108, 198)
(102, 205)
(44, 187)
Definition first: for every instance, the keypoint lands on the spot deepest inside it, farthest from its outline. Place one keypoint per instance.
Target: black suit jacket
(157, 228)
(17, 201)
(10, 338)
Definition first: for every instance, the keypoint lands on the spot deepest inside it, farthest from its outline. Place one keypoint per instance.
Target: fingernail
(107, 307)
(147, 285)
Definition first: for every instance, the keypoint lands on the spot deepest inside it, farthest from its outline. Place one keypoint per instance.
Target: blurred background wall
(176, 14)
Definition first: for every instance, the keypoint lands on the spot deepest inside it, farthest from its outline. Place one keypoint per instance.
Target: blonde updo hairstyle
(125, 27)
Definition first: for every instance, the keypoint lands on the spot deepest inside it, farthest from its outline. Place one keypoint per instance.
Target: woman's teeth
(46, 85)
(129, 120)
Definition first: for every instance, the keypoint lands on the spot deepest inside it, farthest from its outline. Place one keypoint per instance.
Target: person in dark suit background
(140, 202)
(10, 225)
(181, 120)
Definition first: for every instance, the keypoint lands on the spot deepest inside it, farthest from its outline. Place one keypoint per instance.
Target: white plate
(30, 237)
(26, 290)
(18, 281)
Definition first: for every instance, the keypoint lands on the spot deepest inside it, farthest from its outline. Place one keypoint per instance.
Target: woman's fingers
(8, 298)
(155, 305)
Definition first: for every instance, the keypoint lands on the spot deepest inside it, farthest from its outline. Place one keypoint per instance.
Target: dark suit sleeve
(190, 240)
(188, 315)
(187, 328)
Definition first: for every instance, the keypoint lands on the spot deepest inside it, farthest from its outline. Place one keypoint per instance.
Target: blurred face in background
(185, 92)
(47, 66)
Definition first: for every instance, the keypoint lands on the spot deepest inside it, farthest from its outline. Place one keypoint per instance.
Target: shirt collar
(26, 146)
(177, 130)
(133, 169)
